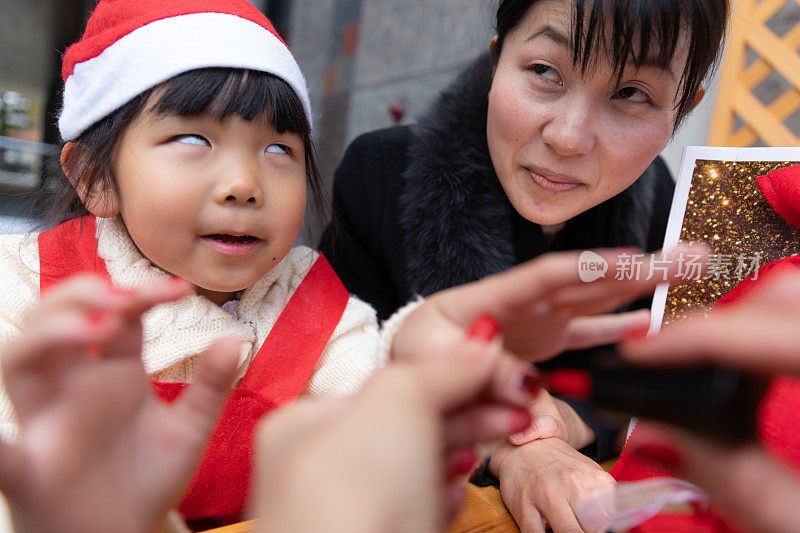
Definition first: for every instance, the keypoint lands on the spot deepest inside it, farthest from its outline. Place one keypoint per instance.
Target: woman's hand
(96, 450)
(392, 458)
(543, 306)
(760, 334)
(551, 417)
(544, 480)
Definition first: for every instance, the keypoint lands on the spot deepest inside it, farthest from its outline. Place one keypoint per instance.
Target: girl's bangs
(224, 92)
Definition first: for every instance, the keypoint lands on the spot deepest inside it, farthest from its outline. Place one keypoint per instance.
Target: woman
(550, 142)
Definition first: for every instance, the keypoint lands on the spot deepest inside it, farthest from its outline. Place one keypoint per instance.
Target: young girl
(188, 153)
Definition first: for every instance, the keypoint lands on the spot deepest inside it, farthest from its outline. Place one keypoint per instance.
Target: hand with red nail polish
(89, 424)
(409, 435)
(759, 333)
(542, 306)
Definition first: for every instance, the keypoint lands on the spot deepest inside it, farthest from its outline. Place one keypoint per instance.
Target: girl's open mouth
(232, 244)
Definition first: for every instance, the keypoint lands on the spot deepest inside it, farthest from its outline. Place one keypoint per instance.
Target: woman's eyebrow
(561, 38)
(650, 64)
(553, 34)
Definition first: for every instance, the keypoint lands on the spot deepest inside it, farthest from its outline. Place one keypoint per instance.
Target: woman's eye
(278, 149)
(548, 73)
(633, 94)
(196, 140)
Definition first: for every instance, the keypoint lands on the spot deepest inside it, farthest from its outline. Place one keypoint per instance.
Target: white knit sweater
(175, 334)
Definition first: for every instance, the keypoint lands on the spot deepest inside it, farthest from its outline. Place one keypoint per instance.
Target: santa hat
(131, 46)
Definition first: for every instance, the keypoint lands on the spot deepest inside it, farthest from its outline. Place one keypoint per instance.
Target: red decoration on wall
(397, 110)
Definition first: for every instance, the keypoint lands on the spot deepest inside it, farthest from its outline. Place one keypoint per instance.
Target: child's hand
(96, 450)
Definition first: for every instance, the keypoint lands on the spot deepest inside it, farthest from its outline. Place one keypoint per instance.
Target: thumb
(542, 427)
(202, 403)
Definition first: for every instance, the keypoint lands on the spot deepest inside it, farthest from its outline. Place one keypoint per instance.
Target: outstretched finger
(63, 337)
(590, 331)
(147, 296)
(514, 381)
(483, 423)
(80, 292)
(200, 406)
(505, 294)
(725, 338)
(620, 286)
(127, 343)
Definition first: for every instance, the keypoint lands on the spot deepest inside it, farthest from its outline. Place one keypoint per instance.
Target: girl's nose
(570, 131)
(241, 187)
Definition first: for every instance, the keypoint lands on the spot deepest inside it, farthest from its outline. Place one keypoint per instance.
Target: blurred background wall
(369, 64)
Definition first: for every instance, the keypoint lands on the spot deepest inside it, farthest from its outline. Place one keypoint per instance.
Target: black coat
(420, 209)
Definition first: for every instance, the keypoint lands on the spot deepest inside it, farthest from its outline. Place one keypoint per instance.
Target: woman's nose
(571, 130)
(240, 186)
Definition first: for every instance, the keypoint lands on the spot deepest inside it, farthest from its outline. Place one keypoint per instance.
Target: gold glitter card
(717, 201)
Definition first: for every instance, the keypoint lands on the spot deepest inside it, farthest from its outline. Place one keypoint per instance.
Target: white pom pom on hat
(130, 46)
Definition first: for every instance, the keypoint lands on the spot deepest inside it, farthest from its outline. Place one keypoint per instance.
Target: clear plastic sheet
(636, 502)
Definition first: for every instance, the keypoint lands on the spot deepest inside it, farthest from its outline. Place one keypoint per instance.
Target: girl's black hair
(223, 92)
(644, 31)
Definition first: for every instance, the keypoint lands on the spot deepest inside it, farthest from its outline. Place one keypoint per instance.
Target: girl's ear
(493, 43)
(99, 198)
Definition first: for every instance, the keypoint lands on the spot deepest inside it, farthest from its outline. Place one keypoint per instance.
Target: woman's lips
(552, 185)
(232, 244)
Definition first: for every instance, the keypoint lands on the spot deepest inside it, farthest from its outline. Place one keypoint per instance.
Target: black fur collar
(456, 219)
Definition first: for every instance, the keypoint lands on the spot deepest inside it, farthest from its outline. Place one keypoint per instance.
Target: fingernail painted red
(636, 335)
(483, 329)
(462, 463)
(95, 317)
(120, 291)
(118, 296)
(532, 383)
(659, 454)
(573, 383)
(93, 352)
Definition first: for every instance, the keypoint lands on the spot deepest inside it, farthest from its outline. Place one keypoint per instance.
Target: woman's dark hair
(220, 91)
(644, 31)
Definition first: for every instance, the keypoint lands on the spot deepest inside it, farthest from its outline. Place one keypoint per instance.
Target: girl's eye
(196, 140)
(278, 149)
(633, 95)
(548, 73)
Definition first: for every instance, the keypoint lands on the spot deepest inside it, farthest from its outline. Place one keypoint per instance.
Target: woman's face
(561, 141)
